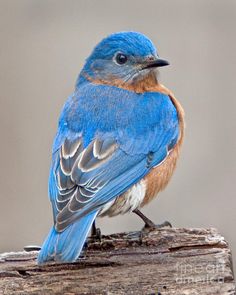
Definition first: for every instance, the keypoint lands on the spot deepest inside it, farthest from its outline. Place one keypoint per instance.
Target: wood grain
(164, 261)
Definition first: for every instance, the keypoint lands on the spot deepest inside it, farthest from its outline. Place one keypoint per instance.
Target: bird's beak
(159, 62)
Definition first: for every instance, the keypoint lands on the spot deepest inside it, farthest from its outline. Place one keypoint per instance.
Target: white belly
(127, 202)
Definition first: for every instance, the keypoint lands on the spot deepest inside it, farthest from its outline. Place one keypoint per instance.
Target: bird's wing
(84, 179)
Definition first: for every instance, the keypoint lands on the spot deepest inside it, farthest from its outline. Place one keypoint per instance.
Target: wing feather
(74, 162)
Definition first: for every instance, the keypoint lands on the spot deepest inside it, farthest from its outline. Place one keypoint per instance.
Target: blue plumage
(104, 138)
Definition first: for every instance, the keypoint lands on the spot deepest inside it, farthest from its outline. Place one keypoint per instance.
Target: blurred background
(43, 47)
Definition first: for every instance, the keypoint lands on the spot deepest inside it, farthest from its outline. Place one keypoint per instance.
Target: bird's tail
(66, 246)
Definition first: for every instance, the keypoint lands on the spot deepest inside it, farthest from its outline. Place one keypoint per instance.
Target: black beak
(156, 63)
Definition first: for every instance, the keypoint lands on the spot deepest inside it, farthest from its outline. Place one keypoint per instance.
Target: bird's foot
(149, 225)
(30, 248)
(152, 226)
(96, 235)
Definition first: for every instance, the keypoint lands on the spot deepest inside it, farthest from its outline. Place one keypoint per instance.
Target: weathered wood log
(164, 261)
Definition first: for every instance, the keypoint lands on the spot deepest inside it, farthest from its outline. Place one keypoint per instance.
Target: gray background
(43, 47)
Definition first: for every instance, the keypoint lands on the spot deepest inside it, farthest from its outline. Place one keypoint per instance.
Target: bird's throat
(147, 83)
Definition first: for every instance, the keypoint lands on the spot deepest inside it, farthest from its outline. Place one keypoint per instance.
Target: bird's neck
(147, 83)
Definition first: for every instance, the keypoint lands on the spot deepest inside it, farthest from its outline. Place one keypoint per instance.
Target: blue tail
(66, 246)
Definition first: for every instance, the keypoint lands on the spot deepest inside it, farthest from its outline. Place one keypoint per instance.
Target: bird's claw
(30, 248)
(152, 226)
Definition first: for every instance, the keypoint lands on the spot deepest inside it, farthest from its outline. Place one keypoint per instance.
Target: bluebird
(117, 143)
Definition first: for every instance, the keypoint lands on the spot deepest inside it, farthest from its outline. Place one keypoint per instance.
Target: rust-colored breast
(159, 176)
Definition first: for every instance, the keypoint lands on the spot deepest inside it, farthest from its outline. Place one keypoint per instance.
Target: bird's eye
(121, 58)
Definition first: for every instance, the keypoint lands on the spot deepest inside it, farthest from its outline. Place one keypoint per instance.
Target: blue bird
(117, 142)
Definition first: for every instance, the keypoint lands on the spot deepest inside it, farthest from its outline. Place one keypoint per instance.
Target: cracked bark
(164, 261)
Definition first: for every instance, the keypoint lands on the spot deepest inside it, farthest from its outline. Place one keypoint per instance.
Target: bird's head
(121, 58)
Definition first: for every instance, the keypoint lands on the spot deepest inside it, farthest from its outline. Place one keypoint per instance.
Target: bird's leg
(148, 223)
(96, 232)
(95, 236)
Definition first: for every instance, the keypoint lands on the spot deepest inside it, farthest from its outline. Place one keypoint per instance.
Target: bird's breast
(158, 178)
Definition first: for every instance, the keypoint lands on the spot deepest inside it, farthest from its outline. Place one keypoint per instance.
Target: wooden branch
(165, 261)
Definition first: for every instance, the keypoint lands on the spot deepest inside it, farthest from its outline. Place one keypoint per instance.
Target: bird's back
(102, 109)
